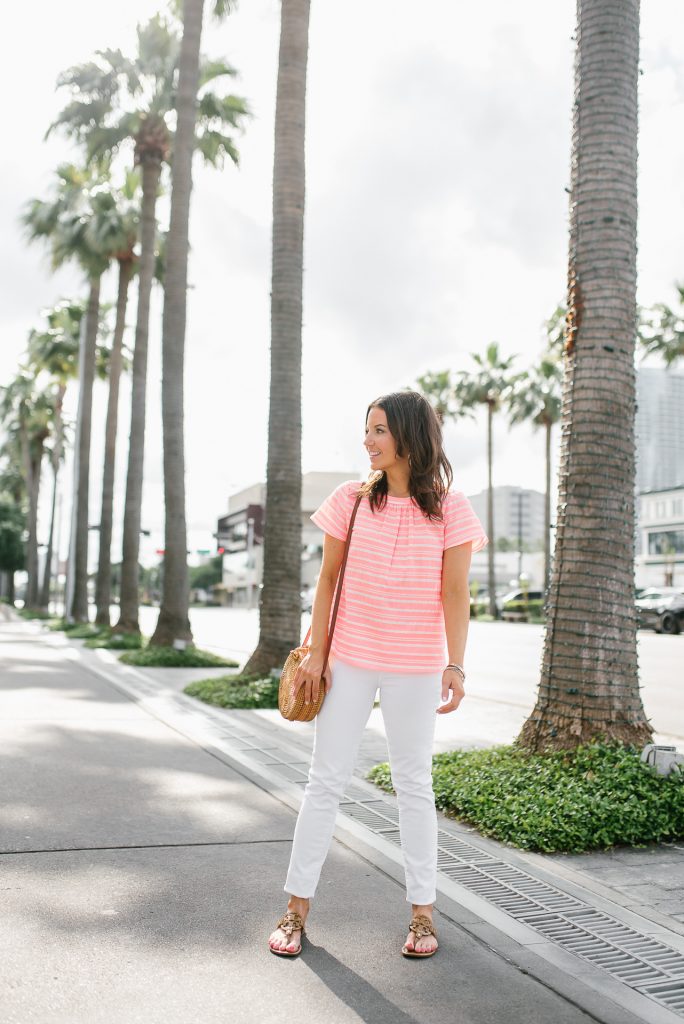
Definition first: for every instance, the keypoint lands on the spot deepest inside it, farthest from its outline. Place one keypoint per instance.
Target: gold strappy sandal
(289, 922)
(420, 925)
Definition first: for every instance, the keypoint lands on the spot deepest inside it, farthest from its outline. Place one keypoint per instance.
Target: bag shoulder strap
(340, 578)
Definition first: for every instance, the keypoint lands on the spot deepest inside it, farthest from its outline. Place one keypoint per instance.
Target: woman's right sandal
(290, 922)
(420, 925)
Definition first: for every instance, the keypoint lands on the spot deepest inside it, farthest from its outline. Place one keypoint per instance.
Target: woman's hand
(310, 674)
(451, 681)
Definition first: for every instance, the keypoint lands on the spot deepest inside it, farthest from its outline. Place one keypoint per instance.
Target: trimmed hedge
(116, 641)
(597, 796)
(169, 657)
(242, 691)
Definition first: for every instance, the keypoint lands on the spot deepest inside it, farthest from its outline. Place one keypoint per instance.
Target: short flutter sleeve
(334, 514)
(461, 524)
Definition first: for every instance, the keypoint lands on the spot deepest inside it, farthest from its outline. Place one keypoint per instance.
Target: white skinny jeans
(408, 704)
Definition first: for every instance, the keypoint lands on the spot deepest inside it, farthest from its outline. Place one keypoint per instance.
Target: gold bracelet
(457, 668)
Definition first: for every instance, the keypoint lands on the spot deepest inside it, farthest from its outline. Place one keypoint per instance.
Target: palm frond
(215, 147)
(210, 70)
(227, 110)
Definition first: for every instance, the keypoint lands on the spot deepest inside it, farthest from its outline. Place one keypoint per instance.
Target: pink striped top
(390, 615)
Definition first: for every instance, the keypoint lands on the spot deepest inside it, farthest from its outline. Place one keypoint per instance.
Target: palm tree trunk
(33, 487)
(547, 512)
(56, 459)
(280, 606)
(589, 681)
(174, 621)
(491, 572)
(31, 519)
(103, 584)
(79, 601)
(44, 601)
(128, 615)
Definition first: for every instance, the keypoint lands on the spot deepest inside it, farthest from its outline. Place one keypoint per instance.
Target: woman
(405, 602)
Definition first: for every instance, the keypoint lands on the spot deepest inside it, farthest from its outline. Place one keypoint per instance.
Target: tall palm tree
(68, 223)
(122, 206)
(589, 678)
(280, 604)
(26, 414)
(12, 528)
(117, 101)
(55, 351)
(459, 395)
(535, 399)
(215, 115)
(489, 385)
(661, 331)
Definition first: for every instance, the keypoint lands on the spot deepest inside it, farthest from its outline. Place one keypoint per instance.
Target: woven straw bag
(291, 704)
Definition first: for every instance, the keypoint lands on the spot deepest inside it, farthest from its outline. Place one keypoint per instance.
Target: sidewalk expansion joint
(143, 846)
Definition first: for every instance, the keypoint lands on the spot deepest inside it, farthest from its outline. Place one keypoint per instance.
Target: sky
(438, 154)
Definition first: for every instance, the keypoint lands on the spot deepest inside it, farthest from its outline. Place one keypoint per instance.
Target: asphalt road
(502, 661)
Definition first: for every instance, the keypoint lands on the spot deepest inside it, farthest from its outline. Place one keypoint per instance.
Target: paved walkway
(142, 873)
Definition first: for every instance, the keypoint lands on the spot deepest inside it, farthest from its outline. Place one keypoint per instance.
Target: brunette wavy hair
(417, 433)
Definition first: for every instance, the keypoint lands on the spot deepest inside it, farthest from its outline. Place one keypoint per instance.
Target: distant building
(240, 533)
(518, 515)
(660, 545)
(659, 429)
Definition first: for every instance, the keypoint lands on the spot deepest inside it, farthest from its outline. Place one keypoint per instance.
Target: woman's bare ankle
(422, 908)
(300, 905)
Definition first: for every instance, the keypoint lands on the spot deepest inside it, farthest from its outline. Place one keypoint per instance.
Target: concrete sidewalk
(142, 871)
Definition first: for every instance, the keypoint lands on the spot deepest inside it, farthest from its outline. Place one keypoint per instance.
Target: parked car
(661, 609)
(518, 595)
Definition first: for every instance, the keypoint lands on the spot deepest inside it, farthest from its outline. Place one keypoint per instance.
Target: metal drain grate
(638, 961)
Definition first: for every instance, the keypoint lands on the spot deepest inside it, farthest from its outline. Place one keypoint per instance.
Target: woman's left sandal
(421, 925)
(290, 922)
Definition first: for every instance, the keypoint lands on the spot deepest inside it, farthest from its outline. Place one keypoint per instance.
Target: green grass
(595, 797)
(30, 613)
(169, 657)
(243, 691)
(116, 641)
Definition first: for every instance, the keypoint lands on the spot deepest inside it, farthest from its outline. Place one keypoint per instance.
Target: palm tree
(26, 413)
(589, 678)
(118, 101)
(55, 351)
(280, 604)
(68, 222)
(215, 114)
(535, 398)
(122, 206)
(489, 385)
(661, 331)
(12, 527)
(438, 388)
(456, 396)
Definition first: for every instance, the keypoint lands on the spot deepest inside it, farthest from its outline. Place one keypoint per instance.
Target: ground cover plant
(595, 797)
(169, 657)
(238, 691)
(116, 641)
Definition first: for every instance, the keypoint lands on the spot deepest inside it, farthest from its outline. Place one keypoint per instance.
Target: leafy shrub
(80, 630)
(594, 797)
(116, 641)
(243, 691)
(169, 657)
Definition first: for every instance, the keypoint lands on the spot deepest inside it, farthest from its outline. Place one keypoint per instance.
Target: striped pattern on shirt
(390, 615)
